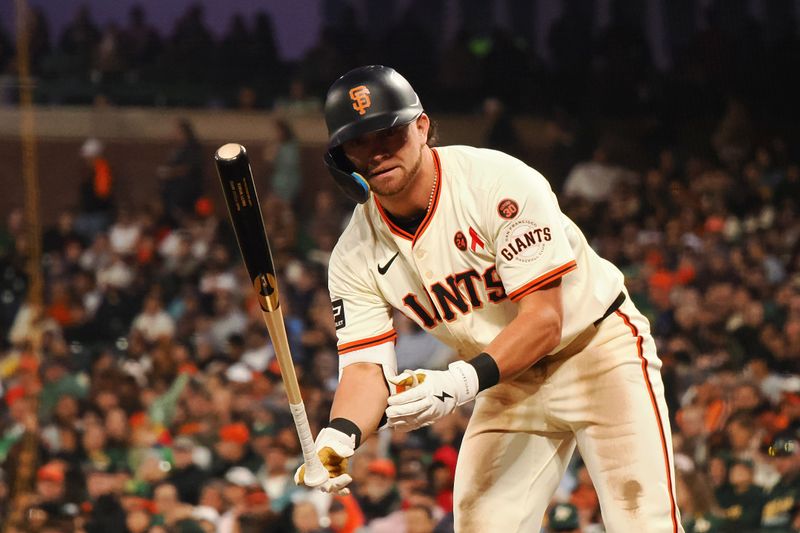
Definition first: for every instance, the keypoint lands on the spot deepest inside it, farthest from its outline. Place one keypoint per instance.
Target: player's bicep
(544, 305)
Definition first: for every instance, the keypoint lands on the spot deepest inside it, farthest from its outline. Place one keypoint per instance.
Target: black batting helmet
(365, 100)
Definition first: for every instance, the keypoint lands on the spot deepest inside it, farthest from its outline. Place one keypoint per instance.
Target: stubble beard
(402, 184)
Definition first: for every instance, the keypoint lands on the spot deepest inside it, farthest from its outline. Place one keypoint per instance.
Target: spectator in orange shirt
(345, 514)
(96, 198)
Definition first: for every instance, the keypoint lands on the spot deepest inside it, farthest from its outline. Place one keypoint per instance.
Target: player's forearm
(534, 333)
(525, 340)
(361, 397)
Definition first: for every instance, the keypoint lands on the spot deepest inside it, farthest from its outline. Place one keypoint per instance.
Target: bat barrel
(239, 191)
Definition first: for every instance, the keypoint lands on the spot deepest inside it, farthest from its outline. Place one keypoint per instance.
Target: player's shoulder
(355, 241)
(484, 168)
(475, 157)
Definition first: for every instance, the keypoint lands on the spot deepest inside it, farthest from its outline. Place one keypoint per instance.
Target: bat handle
(315, 474)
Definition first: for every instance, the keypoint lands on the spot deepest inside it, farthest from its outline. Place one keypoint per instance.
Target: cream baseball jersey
(494, 233)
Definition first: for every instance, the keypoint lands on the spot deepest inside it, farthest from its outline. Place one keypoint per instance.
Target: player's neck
(417, 197)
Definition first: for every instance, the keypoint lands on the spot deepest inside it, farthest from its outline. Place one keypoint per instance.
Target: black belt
(611, 308)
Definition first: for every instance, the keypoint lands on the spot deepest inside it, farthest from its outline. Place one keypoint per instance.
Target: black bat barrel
(239, 191)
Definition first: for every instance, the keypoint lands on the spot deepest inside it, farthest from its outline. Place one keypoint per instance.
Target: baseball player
(471, 245)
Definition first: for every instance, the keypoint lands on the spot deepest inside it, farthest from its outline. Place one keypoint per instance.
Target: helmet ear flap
(345, 175)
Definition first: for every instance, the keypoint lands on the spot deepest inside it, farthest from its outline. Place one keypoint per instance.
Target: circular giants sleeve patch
(507, 209)
(524, 241)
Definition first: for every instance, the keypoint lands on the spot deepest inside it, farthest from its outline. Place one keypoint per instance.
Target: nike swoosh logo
(383, 268)
(442, 396)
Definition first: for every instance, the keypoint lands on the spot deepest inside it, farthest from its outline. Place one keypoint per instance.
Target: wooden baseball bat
(239, 191)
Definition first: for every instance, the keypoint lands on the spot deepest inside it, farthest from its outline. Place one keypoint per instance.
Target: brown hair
(433, 134)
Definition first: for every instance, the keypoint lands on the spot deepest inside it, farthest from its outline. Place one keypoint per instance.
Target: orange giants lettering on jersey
(429, 320)
(450, 298)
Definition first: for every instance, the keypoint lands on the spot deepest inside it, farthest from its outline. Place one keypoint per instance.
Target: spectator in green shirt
(741, 500)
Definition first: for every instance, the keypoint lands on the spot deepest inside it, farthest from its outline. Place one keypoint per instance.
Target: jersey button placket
(420, 255)
(421, 267)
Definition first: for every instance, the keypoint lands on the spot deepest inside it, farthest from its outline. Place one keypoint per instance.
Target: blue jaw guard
(344, 174)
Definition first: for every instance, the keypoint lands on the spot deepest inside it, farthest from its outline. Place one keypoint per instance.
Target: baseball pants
(602, 393)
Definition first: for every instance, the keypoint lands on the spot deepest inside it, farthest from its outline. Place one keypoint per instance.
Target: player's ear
(422, 124)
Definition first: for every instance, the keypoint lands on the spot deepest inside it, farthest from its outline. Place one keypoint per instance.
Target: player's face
(390, 159)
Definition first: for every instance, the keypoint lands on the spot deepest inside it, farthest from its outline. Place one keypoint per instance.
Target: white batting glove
(334, 448)
(424, 396)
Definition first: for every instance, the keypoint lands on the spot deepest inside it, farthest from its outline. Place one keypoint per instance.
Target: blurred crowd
(157, 403)
(684, 59)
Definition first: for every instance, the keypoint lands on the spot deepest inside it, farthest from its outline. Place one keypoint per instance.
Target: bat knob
(315, 473)
(229, 152)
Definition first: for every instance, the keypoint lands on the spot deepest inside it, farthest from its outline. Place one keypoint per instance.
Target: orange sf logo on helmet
(360, 97)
